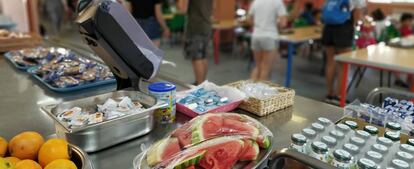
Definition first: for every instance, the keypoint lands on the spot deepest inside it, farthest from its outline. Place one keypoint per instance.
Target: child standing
(265, 15)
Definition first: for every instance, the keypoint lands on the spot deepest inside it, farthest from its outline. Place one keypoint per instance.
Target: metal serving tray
(95, 137)
(32, 72)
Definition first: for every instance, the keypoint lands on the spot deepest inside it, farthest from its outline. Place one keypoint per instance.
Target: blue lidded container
(164, 91)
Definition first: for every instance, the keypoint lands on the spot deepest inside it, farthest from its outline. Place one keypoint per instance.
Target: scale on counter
(115, 36)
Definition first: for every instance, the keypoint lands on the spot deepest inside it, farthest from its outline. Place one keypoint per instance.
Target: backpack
(336, 12)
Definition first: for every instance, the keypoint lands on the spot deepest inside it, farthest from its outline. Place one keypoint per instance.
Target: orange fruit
(4, 164)
(12, 160)
(61, 164)
(3, 147)
(53, 149)
(27, 164)
(26, 145)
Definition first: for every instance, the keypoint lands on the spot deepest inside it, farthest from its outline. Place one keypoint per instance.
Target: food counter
(22, 96)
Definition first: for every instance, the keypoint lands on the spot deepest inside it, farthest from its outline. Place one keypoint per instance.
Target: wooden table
(217, 28)
(298, 36)
(379, 57)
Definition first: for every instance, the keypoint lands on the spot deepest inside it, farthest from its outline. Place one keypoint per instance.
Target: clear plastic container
(407, 157)
(351, 148)
(342, 159)
(407, 148)
(310, 134)
(364, 163)
(319, 151)
(394, 136)
(362, 134)
(357, 141)
(329, 141)
(324, 121)
(394, 127)
(374, 156)
(380, 148)
(352, 124)
(410, 142)
(399, 164)
(319, 128)
(343, 128)
(298, 143)
(385, 141)
(371, 130)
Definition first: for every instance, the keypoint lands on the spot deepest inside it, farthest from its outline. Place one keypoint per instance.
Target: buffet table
(22, 97)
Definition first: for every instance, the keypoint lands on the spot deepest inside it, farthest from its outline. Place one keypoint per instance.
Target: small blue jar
(164, 91)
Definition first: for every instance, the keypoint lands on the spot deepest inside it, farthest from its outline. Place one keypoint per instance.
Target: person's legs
(195, 48)
(340, 72)
(330, 69)
(258, 57)
(267, 64)
(200, 67)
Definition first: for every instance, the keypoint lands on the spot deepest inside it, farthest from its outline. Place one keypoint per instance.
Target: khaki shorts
(264, 44)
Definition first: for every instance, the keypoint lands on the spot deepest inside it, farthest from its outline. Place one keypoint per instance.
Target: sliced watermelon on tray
(214, 125)
(215, 141)
(163, 150)
(250, 150)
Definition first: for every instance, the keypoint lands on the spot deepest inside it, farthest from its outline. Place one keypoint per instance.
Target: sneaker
(328, 99)
(335, 100)
(402, 84)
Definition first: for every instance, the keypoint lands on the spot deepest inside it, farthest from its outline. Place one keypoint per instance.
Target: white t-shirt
(358, 4)
(265, 13)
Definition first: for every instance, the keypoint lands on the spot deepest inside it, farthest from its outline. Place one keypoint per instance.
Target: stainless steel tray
(80, 158)
(140, 161)
(95, 137)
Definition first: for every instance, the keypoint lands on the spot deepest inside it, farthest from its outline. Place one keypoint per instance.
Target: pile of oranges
(28, 150)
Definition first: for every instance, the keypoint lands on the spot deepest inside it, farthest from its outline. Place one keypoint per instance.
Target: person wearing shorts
(265, 16)
(149, 16)
(338, 39)
(197, 34)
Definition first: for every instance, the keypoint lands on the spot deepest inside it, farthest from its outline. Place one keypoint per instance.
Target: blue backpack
(336, 12)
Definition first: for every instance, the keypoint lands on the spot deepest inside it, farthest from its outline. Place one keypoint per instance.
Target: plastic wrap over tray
(242, 138)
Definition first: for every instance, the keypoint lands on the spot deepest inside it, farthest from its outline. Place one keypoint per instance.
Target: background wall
(17, 10)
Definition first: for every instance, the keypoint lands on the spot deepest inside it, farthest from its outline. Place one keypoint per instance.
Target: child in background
(307, 14)
(367, 36)
(265, 15)
(380, 23)
(406, 28)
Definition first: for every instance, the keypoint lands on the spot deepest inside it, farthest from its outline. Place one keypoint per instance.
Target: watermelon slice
(183, 134)
(162, 150)
(213, 125)
(235, 116)
(191, 167)
(250, 151)
(263, 141)
(207, 127)
(190, 160)
(222, 155)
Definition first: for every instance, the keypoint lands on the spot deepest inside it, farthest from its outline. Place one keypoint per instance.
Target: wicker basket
(8, 44)
(264, 107)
